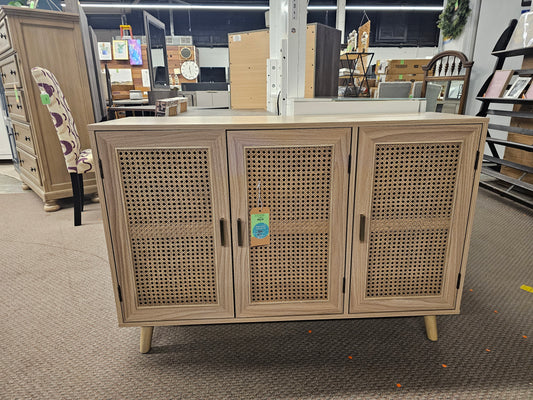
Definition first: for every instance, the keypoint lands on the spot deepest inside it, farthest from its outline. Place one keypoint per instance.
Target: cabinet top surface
(273, 121)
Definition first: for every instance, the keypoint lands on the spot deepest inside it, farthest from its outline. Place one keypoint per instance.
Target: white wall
(214, 57)
(493, 19)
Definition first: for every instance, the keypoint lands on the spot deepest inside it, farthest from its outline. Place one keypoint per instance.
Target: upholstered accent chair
(77, 160)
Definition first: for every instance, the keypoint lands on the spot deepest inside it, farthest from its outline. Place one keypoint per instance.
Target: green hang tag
(259, 226)
(16, 94)
(45, 98)
(401, 77)
(402, 62)
(456, 5)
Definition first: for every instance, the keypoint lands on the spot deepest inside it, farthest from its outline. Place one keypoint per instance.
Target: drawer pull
(222, 232)
(13, 72)
(27, 138)
(3, 36)
(16, 133)
(9, 106)
(239, 232)
(33, 169)
(3, 75)
(19, 106)
(362, 223)
(21, 162)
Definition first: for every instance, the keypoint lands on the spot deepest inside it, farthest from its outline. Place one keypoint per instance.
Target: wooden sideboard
(52, 40)
(370, 216)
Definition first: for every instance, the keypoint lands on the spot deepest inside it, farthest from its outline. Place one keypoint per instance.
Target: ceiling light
(251, 7)
(378, 8)
(175, 6)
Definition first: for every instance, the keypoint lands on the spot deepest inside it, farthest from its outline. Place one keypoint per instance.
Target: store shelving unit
(510, 175)
(357, 80)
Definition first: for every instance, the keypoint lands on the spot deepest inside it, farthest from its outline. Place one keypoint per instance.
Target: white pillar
(286, 65)
(341, 17)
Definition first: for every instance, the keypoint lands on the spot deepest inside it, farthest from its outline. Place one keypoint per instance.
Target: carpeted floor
(60, 337)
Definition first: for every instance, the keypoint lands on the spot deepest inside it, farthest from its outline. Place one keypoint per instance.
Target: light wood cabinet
(52, 40)
(386, 234)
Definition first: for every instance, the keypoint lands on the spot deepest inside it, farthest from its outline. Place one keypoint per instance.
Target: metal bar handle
(362, 224)
(222, 232)
(239, 232)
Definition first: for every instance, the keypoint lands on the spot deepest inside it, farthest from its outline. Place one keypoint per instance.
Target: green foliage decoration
(453, 18)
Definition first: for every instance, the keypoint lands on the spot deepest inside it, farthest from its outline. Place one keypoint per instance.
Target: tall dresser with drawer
(52, 40)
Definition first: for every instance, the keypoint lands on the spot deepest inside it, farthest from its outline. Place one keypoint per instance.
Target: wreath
(453, 18)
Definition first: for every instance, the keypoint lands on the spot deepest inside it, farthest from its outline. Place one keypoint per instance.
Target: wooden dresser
(370, 216)
(52, 40)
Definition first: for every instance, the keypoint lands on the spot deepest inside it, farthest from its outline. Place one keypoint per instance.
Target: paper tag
(236, 38)
(402, 62)
(45, 98)
(16, 93)
(401, 77)
(259, 226)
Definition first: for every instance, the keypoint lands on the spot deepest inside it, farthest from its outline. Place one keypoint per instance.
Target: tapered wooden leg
(25, 186)
(431, 327)
(146, 338)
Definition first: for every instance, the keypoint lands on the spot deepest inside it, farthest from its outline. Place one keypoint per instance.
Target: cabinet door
(171, 246)
(303, 177)
(412, 203)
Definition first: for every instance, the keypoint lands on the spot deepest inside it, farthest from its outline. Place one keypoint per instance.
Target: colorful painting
(104, 51)
(135, 52)
(120, 50)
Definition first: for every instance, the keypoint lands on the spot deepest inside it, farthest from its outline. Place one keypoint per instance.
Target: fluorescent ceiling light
(379, 8)
(251, 7)
(175, 6)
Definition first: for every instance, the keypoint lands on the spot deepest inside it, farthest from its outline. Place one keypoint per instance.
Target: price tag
(259, 226)
(45, 98)
(16, 93)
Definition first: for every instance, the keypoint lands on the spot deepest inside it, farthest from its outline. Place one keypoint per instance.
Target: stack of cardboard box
(401, 70)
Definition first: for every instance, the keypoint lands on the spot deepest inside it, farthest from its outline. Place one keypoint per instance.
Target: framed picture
(120, 50)
(523, 33)
(499, 83)
(104, 51)
(517, 88)
(529, 93)
(134, 46)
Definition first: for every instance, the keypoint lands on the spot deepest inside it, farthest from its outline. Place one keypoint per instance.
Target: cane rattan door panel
(170, 243)
(414, 187)
(303, 178)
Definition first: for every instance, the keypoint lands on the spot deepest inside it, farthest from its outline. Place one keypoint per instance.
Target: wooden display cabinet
(52, 40)
(369, 216)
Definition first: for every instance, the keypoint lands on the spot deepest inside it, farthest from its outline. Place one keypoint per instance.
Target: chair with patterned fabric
(78, 161)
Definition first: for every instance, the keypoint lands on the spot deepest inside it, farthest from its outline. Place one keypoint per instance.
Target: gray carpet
(60, 338)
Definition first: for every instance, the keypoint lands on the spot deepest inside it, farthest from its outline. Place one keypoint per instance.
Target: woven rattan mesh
(296, 185)
(412, 203)
(167, 194)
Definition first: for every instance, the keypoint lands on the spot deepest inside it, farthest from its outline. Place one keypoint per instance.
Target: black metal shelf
(504, 100)
(514, 145)
(351, 61)
(507, 186)
(525, 51)
(508, 163)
